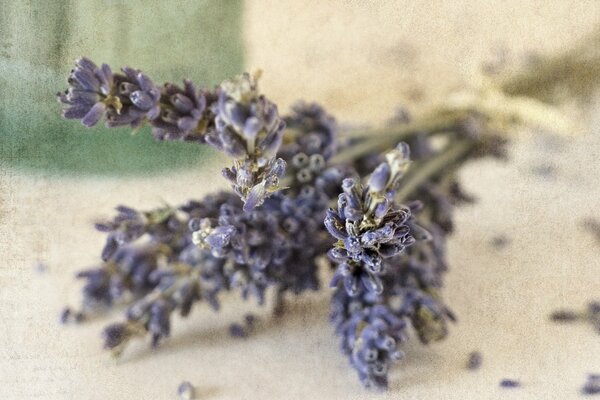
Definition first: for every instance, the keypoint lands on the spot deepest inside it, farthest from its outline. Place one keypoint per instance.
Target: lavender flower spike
(129, 98)
(185, 114)
(369, 226)
(88, 96)
(372, 337)
(248, 129)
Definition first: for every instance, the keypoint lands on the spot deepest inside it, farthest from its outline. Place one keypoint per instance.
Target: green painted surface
(39, 41)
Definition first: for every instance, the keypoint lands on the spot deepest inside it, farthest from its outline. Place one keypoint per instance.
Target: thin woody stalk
(386, 138)
(423, 172)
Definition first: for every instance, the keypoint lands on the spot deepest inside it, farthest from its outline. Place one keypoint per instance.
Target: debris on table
(591, 315)
(69, 315)
(474, 362)
(510, 383)
(564, 316)
(592, 225)
(500, 241)
(41, 267)
(592, 386)
(238, 330)
(65, 315)
(185, 391)
(545, 171)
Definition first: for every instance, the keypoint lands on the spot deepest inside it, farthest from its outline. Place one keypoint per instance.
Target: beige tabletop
(361, 61)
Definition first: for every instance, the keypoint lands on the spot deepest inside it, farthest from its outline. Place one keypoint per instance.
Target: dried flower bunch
(376, 208)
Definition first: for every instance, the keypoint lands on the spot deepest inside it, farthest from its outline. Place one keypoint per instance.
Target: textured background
(39, 42)
(361, 59)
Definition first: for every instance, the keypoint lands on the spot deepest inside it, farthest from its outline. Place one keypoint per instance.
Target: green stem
(387, 138)
(433, 167)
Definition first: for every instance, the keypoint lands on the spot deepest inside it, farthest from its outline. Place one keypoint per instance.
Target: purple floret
(510, 383)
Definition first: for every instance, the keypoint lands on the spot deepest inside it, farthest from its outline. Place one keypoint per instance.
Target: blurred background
(362, 60)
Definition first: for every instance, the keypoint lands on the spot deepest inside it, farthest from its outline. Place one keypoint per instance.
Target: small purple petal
(94, 115)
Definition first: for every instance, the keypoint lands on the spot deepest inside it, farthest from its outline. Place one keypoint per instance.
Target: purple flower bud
(65, 315)
(94, 115)
(475, 360)
(185, 391)
(237, 331)
(220, 236)
(334, 225)
(379, 177)
(510, 383)
(352, 285)
(182, 103)
(115, 335)
(141, 100)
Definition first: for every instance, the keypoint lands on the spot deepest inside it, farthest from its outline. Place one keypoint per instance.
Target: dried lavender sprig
(129, 225)
(131, 99)
(277, 243)
(409, 285)
(369, 227)
(410, 275)
(371, 338)
(266, 247)
(418, 313)
(138, 243)
(307, 205)
(181, 284)
(249, 130)
(234, 118)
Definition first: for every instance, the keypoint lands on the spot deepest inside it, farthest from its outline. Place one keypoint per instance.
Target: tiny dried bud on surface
(592, 386)
(564, 316)
(238, 331)
(474, 361)
(65, 315)
(500, 241)
(510, 383)
(185, 391)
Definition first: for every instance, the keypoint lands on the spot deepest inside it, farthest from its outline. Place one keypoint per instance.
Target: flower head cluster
(249, 130)
(368, 225)
(128, 270)
(234, 118)
(311, 130)
(125, 99)
(389, 271)
(175, 291)
(138, 246)
(128, 225)
(171, 281)
(409, 295)
(186, 113)
(371, 339)
(273, 245)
